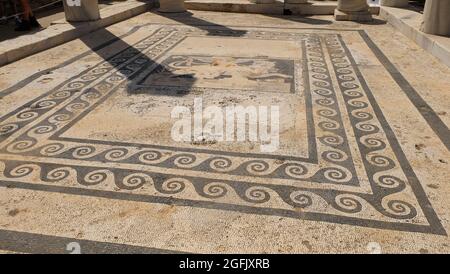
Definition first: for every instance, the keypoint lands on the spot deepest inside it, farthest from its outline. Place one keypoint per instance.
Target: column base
(88, 11)
(358, 16)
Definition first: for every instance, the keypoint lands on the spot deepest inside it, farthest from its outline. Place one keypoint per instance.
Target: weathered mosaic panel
(347, 168)
(260, 74)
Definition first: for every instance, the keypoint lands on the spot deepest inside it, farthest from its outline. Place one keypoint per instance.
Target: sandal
(22, 25)
(27, 25)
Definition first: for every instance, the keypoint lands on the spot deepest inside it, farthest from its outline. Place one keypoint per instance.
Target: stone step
(408, 22)
(279, 7)
(61, 31)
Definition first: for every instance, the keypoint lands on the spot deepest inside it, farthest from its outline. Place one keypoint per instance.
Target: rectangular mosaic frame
(340, 204)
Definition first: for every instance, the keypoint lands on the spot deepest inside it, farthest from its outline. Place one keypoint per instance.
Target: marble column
(352, 10)
(171, 6)
(394, 3)
(436, 17)
(81, 10)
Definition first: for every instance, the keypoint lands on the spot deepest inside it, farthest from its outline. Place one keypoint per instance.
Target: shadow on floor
(301, 19)
(145, 64)
(131, 61)
(45, 17)
(374, 22)
(188, 18)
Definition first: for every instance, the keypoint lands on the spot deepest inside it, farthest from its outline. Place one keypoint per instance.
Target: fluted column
(352, 10)
(436, 17)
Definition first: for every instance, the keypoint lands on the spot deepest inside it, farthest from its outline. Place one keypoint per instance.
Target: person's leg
(27, 11)
(28, 21)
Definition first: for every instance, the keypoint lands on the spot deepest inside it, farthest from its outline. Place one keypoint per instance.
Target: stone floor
(45, 17)
(86, 153)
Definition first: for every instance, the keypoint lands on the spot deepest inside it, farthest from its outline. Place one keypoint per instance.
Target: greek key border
(364, 124)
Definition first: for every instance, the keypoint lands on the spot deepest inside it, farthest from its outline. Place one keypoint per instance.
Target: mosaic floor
(103, 130)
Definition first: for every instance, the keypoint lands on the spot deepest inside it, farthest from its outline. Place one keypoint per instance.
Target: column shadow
(132, 62)
(187, 18)
(150, 66)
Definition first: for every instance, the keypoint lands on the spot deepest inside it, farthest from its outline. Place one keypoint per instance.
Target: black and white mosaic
(356, 172)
